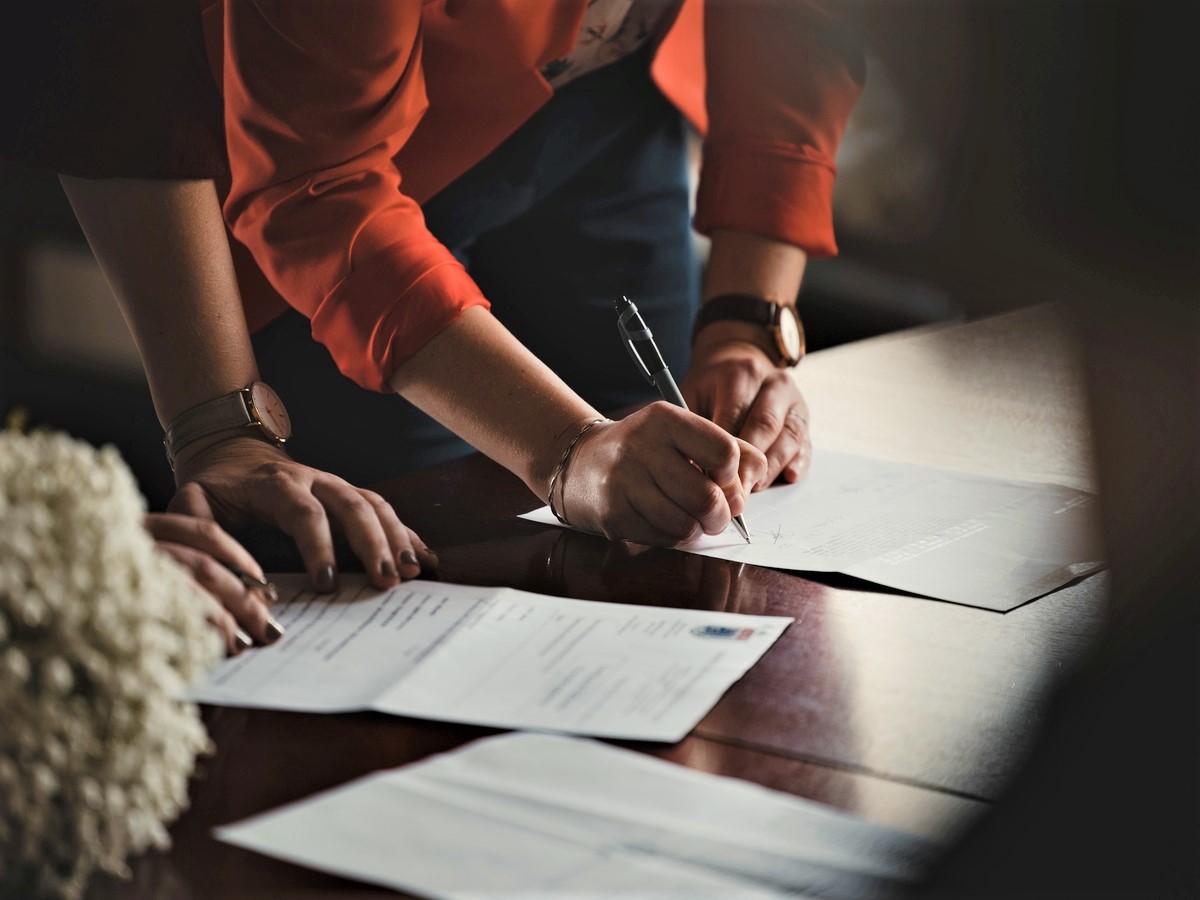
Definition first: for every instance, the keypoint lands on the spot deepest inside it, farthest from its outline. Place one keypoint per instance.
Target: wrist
(547, 445)
(255, 409)
(241, 442)
(720, 335)
(558, 477)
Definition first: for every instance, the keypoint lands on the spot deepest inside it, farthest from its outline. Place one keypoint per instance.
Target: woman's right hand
(662, 476)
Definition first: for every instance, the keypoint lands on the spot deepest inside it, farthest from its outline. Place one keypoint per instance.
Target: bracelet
(562, 465)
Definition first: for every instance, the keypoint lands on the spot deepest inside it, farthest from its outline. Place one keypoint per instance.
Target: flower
(100, 635)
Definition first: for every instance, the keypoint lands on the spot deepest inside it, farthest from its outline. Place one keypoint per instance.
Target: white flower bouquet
(100, 634)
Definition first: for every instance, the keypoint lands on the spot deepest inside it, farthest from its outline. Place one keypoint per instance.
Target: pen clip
(628, 337)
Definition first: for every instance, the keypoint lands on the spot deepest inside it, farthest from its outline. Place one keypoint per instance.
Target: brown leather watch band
(785, 332)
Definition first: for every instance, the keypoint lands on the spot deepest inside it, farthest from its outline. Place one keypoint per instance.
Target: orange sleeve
(781, 79)
(319, 97)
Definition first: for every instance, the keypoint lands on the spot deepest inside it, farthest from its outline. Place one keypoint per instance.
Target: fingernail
(386, 569)
(409, 558)
(326, 578)
(243, 640)
(271, 591)
(274, 630)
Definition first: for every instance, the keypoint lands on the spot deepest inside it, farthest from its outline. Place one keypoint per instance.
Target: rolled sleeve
(385, 310)
(782, 79)
(319, 97)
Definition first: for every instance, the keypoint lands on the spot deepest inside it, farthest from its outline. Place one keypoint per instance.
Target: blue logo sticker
(722, 632)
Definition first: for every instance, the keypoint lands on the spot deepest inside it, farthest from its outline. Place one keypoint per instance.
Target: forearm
(480, 382)
(163, 248)
(740, 262)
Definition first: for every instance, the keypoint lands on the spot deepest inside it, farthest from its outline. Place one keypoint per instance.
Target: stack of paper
(498, 657)
(531, 815)
(971, 539)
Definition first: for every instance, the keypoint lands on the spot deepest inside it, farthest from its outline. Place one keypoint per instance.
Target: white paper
(499, 657)
(971, 539)
(528, 815)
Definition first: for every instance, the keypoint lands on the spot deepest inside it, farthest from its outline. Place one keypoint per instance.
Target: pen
(639, 341)
(251, 582)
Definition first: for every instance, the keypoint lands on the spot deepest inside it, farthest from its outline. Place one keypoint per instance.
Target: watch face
(267, 406)
(791, 335)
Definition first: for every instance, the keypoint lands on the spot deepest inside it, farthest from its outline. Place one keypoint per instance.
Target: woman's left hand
(734, 383)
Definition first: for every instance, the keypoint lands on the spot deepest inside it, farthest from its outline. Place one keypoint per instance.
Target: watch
(254, 406)
(780, 321)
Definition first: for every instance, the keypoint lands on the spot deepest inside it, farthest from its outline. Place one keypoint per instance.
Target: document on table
(534, 815)
(971, 539)
(494, 656)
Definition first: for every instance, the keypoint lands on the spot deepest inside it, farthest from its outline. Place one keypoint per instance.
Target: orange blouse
(341, 118)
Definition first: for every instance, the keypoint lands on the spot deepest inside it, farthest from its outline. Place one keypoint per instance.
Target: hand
(734, 383)
(201, 547)
(661, 476)
(240, 480)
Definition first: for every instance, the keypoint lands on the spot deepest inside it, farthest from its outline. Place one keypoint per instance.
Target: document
(494, 656)
(536, 815)
(971, 539)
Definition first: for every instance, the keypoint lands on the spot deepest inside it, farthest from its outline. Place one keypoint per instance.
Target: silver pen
(639, 341)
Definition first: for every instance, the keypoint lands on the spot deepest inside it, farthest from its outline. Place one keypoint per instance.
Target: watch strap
(739, 307)
(220, 414)
(766, 314)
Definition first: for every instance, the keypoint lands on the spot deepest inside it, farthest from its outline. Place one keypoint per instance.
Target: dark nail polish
(243, 640)
(409, 558)
(326, 578)
(274, 630)
(386, 569)
(271, 592)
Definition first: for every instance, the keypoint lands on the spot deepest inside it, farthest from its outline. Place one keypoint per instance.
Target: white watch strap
(222, 414)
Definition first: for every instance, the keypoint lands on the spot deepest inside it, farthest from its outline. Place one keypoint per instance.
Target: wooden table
(910, 712)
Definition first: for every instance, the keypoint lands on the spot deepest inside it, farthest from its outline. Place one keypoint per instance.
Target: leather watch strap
(783, 333)
(221, 414)
(738, 307)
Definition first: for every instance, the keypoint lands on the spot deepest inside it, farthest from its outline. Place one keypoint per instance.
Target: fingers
(694, 438)
(798, 468)
(404, 542)
(752, 472)
(777, 423)
(389, 551)
(246, 619)
(734, 465)
(684, 504)
(741, 391)
(308, 505)
(202, 534)
(733, 396)
(299, 514)
(364, 532)
(654, 520)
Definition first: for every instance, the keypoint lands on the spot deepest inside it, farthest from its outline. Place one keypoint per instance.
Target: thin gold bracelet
(562, 465)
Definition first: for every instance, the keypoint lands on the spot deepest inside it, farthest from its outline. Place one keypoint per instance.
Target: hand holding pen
(639, 341)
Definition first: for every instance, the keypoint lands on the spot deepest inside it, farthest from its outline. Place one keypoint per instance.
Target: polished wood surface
(909, 711)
